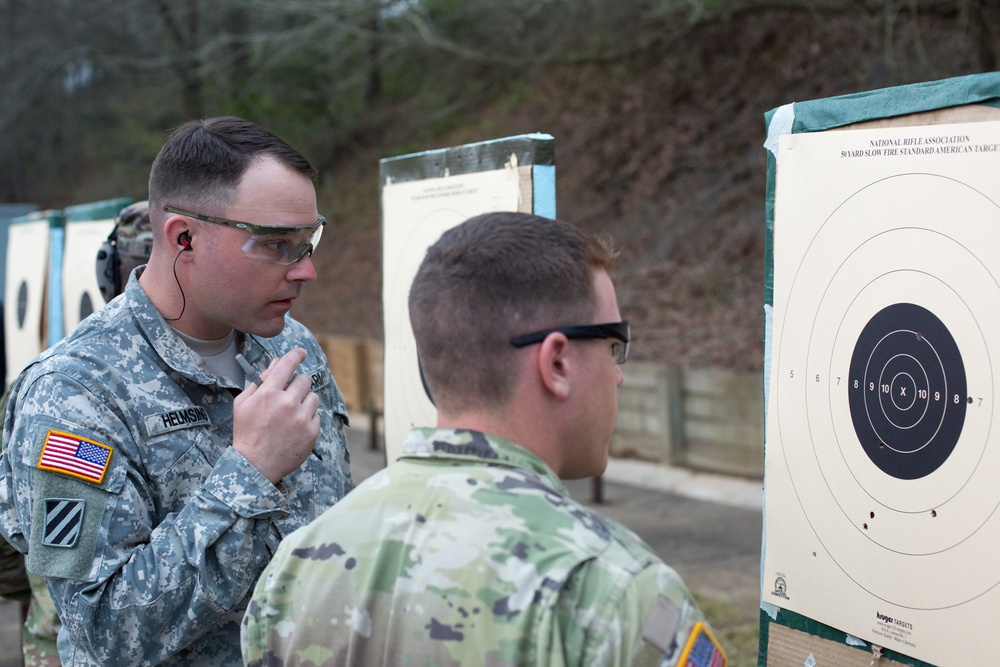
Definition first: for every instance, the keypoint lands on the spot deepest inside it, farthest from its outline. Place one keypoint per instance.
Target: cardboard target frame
(889, 250)
(34, 245)
(422, 195)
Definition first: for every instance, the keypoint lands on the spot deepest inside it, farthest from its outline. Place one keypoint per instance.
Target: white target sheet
(414, 216)
(883, 443)
(81, 292)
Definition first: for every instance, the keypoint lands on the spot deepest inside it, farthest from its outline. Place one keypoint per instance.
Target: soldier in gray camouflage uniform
(147, 479)
(468, 550)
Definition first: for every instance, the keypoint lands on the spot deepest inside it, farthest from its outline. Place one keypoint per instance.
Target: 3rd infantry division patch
(63, 521)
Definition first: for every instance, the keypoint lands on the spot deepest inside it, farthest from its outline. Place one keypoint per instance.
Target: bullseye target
(906, 389)
(79, 280)
(882, 456)
(25, 288)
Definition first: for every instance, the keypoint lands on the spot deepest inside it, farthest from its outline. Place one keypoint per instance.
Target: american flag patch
(702, 650)
(75, 456)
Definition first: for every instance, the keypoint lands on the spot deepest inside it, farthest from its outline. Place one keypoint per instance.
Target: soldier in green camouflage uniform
(468, 550)
(41, 627)
(14, 583)
(146, 476)
(41, 622)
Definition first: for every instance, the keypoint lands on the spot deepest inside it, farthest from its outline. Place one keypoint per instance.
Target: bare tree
(88, 85)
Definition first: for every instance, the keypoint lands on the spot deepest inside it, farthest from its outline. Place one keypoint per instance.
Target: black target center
(907, 391)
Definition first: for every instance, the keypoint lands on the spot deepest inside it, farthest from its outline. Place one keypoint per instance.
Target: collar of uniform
(254, 351)
(470, 446)
(167, 344)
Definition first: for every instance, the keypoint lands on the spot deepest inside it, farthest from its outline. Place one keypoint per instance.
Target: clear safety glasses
(281, 245)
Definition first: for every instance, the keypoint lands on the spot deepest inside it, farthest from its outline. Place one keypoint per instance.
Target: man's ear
(176, 230)
(555, 364)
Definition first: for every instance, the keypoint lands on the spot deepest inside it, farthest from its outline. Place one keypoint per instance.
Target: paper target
(410, 404)
(27, 264)
(414, 215)
(882, 451)
(81, 293)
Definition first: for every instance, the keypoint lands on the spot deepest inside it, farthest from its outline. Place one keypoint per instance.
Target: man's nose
(302, 270)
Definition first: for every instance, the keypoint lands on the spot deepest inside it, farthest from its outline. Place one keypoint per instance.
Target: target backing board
(883, 422)
(423, 196)
(25, 288)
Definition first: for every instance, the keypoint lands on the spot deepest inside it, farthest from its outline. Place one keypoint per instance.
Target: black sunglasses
(620, 331)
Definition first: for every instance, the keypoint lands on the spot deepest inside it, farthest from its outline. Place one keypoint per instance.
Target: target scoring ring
(903, 381)
(821, 444)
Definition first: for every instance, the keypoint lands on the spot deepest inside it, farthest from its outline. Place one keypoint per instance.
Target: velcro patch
(75, 456)
(702, 650)
(660, 628)
(63, 522)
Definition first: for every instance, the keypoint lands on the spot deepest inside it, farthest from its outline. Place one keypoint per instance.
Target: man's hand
(275, 425)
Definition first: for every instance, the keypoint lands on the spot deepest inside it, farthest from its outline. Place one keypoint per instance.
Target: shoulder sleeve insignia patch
(661, 626)
(702, 650)
(63, 522)
(75, 456)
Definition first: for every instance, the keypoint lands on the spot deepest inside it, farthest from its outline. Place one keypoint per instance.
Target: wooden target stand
(422, 196)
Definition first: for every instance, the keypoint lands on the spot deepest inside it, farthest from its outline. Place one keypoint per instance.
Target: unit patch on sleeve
(660, 627)
(73, 455)
(63, 521)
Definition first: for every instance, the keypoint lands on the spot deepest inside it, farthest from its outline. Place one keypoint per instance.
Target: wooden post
(597, 489)
(675, 409)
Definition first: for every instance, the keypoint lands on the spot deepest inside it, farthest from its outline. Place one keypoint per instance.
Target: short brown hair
(491, 278)
(203, 161)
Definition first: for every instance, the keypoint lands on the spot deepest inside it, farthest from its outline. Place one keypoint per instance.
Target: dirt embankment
(663, 152)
